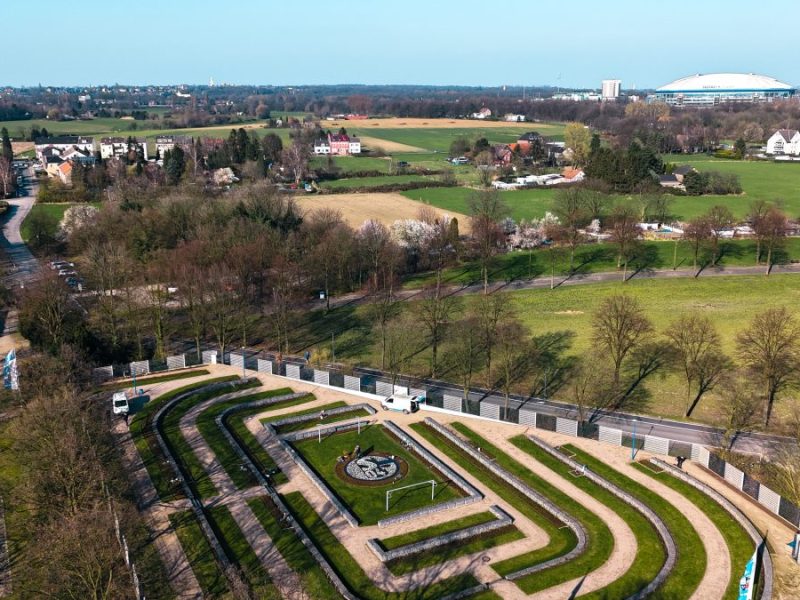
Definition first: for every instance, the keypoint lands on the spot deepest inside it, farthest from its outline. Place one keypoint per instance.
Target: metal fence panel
(140, 367)
(750, 486)
(656, 445)
(567, 426)
(209, 357)
(293, 371)
(384, 388)
(103, 373)
(237, 360)
(789, 511)
(176, 362)
(716, 464)
(490, 410)
(352, 383)
(321, 377)
(452, 402)
(610, 435)
(703, 455)
(547, 422)
(769, 499)
(527, 417)
(264, 366)
(734, 476)
(417, 392)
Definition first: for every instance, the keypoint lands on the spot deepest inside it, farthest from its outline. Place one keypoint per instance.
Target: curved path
(625, 546)
(718, 567)
(281, 574)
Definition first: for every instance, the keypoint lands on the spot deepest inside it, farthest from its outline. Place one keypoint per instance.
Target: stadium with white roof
(720, 88)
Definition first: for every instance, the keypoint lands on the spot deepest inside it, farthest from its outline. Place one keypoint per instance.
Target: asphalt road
(753, 443)
(17, 263)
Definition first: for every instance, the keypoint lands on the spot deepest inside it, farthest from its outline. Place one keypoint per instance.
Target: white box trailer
(402, 403)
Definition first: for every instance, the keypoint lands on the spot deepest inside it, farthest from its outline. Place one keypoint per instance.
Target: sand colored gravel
(384, 207)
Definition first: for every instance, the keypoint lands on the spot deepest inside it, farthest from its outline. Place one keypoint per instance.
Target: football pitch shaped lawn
(367, 501)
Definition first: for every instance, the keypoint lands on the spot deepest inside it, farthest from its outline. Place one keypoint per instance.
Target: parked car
(402, 403)
(60, 264)
(119, 403)
(67, 272)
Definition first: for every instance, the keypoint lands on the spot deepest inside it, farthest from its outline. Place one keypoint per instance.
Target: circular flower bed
(375, 468)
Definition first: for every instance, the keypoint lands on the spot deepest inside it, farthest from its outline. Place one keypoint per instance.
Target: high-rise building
(611, 89)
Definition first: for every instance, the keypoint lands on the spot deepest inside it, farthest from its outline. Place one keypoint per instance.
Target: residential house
(573, 175)
(784, 142)
(165, 143)
(511, 117)
(338, 144)
(526, 139)
(670, 180)
(75, 154)
(62, 143)
(682, 171)
(502, 154)
(64, 172)
(483, 113)
(115, 147)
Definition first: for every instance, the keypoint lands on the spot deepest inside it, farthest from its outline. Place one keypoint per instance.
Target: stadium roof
(725, 82)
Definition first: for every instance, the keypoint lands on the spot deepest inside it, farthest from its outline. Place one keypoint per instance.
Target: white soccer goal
(413, 485)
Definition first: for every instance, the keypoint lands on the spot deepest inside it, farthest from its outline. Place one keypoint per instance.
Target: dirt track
(418, 123)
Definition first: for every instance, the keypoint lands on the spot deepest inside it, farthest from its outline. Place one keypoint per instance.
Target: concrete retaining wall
(503, 519)
(315, 416)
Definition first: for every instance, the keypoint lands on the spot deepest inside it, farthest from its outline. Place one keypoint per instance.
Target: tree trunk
(770, 402)
(769, 258)
(693, 405)
(758, 251)
(675, 256)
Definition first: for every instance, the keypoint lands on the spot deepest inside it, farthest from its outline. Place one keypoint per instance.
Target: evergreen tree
(7, 150)
(174, 165)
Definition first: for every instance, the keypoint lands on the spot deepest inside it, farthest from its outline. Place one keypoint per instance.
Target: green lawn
(199, 553)
(368, 503)
(597, 258)
(650, 553)
(198, 478)
(315, 582)
(740, 546)
(308, 411)
(437, 556)
(290, 427)
(54, 210)
(523, 204)
(141, 428)
(404, 539)
(358, 182)
(690, 565)
(353, 164)
(240, 552)
(226, 455)
(439, 139)
(562, 539)
(351, 572)
(599, 543)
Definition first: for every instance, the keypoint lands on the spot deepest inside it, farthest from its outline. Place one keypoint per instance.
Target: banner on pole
(747, 583)
(10, 374)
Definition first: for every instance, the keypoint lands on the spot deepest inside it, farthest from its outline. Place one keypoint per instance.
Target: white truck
(119, 403)
(402, 403)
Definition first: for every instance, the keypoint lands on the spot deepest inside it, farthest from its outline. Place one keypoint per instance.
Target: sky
(573, 44)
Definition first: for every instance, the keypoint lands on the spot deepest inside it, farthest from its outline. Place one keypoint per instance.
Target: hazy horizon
(512, 43)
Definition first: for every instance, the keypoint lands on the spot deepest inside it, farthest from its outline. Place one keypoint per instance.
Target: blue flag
(10, 375)
(747, 583)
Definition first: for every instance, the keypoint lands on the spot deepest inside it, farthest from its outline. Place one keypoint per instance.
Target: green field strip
(690, 566)
(650, 553)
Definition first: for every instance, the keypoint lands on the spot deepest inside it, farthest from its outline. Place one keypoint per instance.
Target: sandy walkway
(625, 547)
(786, 580)
(718, 566)
(284, 578)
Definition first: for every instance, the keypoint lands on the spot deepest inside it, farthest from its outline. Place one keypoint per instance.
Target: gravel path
(718, 566)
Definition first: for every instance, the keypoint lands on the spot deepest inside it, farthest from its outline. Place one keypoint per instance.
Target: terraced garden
(236, 445)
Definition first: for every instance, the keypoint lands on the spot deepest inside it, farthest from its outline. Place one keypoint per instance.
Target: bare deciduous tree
(769, 348)
(435, 311)
(620, 325)
(486, 212)
(698, 350)
(465, 353)
(719, 218)
(625, 235)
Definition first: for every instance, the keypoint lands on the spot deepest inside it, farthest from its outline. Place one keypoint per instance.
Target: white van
(119, 403)
(402, 403)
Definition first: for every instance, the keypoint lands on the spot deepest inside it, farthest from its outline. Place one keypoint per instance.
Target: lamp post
(633, 441)
(244, 374)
